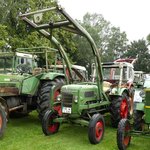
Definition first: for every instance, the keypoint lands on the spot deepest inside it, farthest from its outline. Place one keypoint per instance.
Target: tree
(139, 50)
(3, 36)
(20, 34)
(148, 39)
(110, 41)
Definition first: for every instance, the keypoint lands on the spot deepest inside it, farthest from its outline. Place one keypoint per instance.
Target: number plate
(66, 110)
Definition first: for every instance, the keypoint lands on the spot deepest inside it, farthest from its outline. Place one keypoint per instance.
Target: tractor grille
(67, 99)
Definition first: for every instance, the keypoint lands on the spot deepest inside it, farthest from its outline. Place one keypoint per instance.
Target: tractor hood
(76, 97)
(78, 87)
(10, 78)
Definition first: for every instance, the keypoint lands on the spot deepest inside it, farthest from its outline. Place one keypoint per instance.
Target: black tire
(116, 109)
(138, 120)
(43, 103)
(48, 126)
(96, 128)
(3, 120)
(123, 140)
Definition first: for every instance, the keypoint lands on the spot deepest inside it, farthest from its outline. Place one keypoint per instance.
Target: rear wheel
(48, 125)
(138, 120)
(119, 109)
(44, 100)
(3, 120)
(123, 139)
(96, 129)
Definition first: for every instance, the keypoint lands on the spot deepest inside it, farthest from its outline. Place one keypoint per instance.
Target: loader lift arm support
(70, 25)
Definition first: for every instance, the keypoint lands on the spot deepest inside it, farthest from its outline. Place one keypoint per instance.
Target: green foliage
(148, 39)
(110, 41)
(139, 50)
(20, 35)
(3, 36)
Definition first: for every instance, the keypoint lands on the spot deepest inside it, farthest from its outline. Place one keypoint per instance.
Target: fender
(118, 91)
(51, 76)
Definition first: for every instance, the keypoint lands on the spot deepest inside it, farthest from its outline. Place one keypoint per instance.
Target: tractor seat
(106, 86)
(36, 71)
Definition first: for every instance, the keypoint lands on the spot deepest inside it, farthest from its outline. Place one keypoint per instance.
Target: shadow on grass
(27, 121)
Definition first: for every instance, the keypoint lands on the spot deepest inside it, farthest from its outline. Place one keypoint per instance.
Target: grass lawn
(26, 134)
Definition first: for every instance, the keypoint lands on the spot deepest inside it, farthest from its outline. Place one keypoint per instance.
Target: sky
(132, 16)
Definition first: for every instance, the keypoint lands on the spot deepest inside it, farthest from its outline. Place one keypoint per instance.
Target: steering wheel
(23, 68)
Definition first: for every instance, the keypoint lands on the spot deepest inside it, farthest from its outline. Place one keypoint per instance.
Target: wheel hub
(58, 107)
(126, 137)
(52, 128)
(99, 129)
(124, 109)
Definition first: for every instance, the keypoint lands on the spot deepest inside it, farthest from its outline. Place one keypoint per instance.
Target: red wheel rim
(53, 127)
(58, 107)
(56, 93)
(1, 121)
(127, 138)
(99, 130)
(124, 109)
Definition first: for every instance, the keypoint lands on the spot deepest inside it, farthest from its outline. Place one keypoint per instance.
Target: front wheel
(48, 125)
(3, 121)
(123, 139)
(96, 128)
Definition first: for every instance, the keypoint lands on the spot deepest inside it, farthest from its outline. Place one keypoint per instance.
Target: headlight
(75, 99)
(58, 98)
(142, 94)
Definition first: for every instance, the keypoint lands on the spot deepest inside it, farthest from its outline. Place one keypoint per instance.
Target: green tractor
(26, 79)
(27, 76)
(141, 119)
(83, 103)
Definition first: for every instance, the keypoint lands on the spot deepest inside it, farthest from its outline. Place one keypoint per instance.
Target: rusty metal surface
(15, 108)
(7, 91)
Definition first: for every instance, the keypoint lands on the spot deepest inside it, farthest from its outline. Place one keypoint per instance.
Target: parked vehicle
(141, 120)
(120, 77)
(82, 103)
(139, 77)
(26, 80)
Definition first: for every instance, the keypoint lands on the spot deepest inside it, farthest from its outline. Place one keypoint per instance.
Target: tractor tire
(138, 120)
(119, 109)
(48, 126)
(123, 140)
(3, 120)
(96, 128)
(43, 103)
